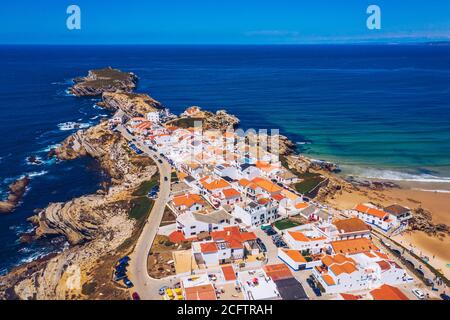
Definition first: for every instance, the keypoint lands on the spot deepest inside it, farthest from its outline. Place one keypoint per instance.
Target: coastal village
(232, 219)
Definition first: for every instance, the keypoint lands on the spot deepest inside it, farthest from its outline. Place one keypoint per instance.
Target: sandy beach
(438, 203)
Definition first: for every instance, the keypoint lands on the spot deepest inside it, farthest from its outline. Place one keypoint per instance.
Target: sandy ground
(438, 203)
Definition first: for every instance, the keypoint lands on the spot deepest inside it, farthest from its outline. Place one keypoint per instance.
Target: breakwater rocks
(103, 80)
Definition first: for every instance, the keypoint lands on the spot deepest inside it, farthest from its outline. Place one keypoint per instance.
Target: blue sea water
(377, 110)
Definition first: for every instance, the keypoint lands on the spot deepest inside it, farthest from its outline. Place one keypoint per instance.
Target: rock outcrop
(103, 80)
(132, 104)
(422, 221)
(16, 191)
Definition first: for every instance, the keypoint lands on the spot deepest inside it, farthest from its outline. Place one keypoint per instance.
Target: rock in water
(16, 191)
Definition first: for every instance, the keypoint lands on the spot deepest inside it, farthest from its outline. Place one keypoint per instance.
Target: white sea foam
(433, 190)
(36, 173)
(67, 126)
(50, 147)
(386, 174)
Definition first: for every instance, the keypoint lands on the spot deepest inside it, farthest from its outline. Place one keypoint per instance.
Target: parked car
(162, 290)
(135, 296)
(418, 293)
(444, 296)
(128, 283)
(165, 178)
(261, 245)
(159, 160)
(428, 282)
(120, 276)
(311, 283)
(317, 291)
(124, 259)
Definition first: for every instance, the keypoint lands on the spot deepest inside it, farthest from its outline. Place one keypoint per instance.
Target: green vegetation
(145, 187)
(309, 181)
(140, 208)
(285, 224)
(174, 177)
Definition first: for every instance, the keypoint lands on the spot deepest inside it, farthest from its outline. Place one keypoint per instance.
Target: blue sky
(222, 22)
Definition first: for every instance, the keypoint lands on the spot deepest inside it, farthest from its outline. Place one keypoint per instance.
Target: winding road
(144, 285)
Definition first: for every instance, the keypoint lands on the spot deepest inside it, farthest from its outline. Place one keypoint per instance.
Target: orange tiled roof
(208, 247)
(298, 236)
(228, 273)
(347, 296)
(328, 279)
(244, 182)
(295, 255)
(188, 200)
(203, 292)
(278, 271)
(301, 205)
(387, 292)
(233, 236)
(351, 225)
(213, 184)
(358, 245)
(230, 193)
(267, 185)
(371, 211)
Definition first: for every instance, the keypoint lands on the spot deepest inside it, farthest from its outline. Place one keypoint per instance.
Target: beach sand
(438, 203)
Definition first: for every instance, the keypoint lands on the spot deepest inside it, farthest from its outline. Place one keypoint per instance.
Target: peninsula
(174, 203)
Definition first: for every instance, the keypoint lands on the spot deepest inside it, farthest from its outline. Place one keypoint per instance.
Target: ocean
(379, 111)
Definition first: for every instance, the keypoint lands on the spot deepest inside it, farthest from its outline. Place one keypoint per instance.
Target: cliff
(103, 80)
(132, 104)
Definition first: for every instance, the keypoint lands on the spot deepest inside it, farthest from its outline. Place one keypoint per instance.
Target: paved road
(144, 285)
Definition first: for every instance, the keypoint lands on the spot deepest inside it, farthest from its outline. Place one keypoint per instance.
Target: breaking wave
(386, 174)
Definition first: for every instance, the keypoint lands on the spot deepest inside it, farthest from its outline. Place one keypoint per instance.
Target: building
(153, 116)
(387, 292)
(189, 202)
(256, 285)
(401, 214)
(374, 216)
(306, 238)
(197, 287)
(297, 261)
(226, 246)
(253, 213)
(191, 223)
(351, 228)
(344, 273)
(353, 246)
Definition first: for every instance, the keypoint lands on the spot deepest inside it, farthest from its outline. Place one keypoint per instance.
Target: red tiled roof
(278, 271)
(228, 273)
(208, 247)
(203, 292)
(387, 292)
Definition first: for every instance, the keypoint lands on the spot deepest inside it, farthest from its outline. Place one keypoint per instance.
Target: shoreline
(86, 143)
(434, 247)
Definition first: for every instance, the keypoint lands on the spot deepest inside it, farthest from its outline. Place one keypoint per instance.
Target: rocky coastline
(97, 226)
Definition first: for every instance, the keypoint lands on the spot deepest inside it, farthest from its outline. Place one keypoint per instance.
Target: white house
(306, 238)
(254, 214)
(153, 116)
(345, 273)
(374, 216)
(191, 224)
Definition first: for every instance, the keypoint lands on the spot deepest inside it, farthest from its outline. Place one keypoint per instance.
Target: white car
(418, 293)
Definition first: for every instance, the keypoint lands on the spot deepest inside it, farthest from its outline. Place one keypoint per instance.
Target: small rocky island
(103, 80)
(16, 191)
